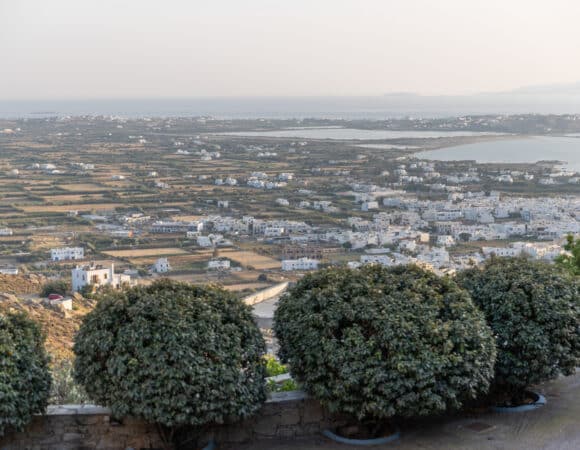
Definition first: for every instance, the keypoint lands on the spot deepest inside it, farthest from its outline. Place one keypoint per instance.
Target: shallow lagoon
(354, 134)
(520, 150)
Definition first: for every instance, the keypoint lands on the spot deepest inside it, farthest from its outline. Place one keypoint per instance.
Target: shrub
(533, 309)
(284, 386)
(60, 287)
(274, 367)
(173, 354)
(570, 260)
(24, 375)
(64, 388)
(380, 342)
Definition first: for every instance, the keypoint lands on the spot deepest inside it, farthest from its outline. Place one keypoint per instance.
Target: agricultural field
(157, 252)
(250, 259)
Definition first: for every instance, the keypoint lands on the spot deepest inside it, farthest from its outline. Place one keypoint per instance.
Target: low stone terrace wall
(73, 427)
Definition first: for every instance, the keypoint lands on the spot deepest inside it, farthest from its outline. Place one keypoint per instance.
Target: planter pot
(540, 401)
(362, 442)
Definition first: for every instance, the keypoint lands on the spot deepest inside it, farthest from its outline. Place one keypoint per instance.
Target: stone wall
(266, 294)
(284, 416)
(75, 427)
(287, 415)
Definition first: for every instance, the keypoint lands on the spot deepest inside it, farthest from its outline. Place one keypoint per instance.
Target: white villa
(218, 264)
(97, 275)
(6, 232)
(65, 253)
(300, 264)
(161, 266)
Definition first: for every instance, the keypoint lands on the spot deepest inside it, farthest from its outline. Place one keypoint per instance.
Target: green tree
(381, 342)
(173, 354)
(24, 376)
(464, 237)
(61, 287)
(571, 260)
(533, 309)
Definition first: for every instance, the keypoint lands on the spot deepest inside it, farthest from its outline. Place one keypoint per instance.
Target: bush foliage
(24, 376)
(380, 342)
(274, 367)
(172, 353)
(533, 309)
(64, 388)
(61, 287)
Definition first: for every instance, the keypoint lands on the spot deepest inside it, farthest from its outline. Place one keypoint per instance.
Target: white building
(6, 232)
(300, 264)
(445, 240)
(161, 266)
(368, 206)
(66, 253)
(218, 264)
(97, 275)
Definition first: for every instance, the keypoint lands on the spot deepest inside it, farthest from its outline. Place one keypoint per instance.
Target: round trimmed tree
(173, 354)
(380, 342)
(24, 374)
(533, 309)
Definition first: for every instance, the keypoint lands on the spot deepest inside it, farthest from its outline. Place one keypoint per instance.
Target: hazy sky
(164, 48)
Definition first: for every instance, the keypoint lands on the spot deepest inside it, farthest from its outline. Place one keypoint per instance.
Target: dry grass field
(71, 197)
(136, 253)
(45, 242)
(175, 260)
(71, 207)
(82, 187)
(248, 258)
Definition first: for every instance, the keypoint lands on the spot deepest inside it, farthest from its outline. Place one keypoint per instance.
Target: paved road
(555, 426)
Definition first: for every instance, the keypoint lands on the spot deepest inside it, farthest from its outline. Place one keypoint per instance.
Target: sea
(349, 108)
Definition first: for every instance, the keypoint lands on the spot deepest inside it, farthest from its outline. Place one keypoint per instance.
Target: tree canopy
(173, 354)
(533, 309)
(24, 375)
(380, 342)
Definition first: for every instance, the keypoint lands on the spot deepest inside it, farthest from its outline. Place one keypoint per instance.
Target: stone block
(313, 412)
(286, 432)
(267, 426)
(290, 417)
(70, 437)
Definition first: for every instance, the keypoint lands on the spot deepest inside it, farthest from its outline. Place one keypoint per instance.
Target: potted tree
(378, 343)
(172, 354)
(533, 309)
(24, 374)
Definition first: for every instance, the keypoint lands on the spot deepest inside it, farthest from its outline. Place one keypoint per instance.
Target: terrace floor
(555, 426)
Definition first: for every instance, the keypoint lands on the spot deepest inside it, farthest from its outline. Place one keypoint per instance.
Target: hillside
(60, 327)
(21, 284)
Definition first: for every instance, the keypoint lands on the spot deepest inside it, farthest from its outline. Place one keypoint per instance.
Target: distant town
(111, 201)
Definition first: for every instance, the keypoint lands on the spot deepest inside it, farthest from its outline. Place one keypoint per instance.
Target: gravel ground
(555, 426)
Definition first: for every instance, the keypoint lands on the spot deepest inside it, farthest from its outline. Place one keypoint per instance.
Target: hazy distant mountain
(544, 99)
(548, 89)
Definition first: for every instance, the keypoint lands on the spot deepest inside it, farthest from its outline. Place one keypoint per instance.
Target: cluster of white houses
(406, 230)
